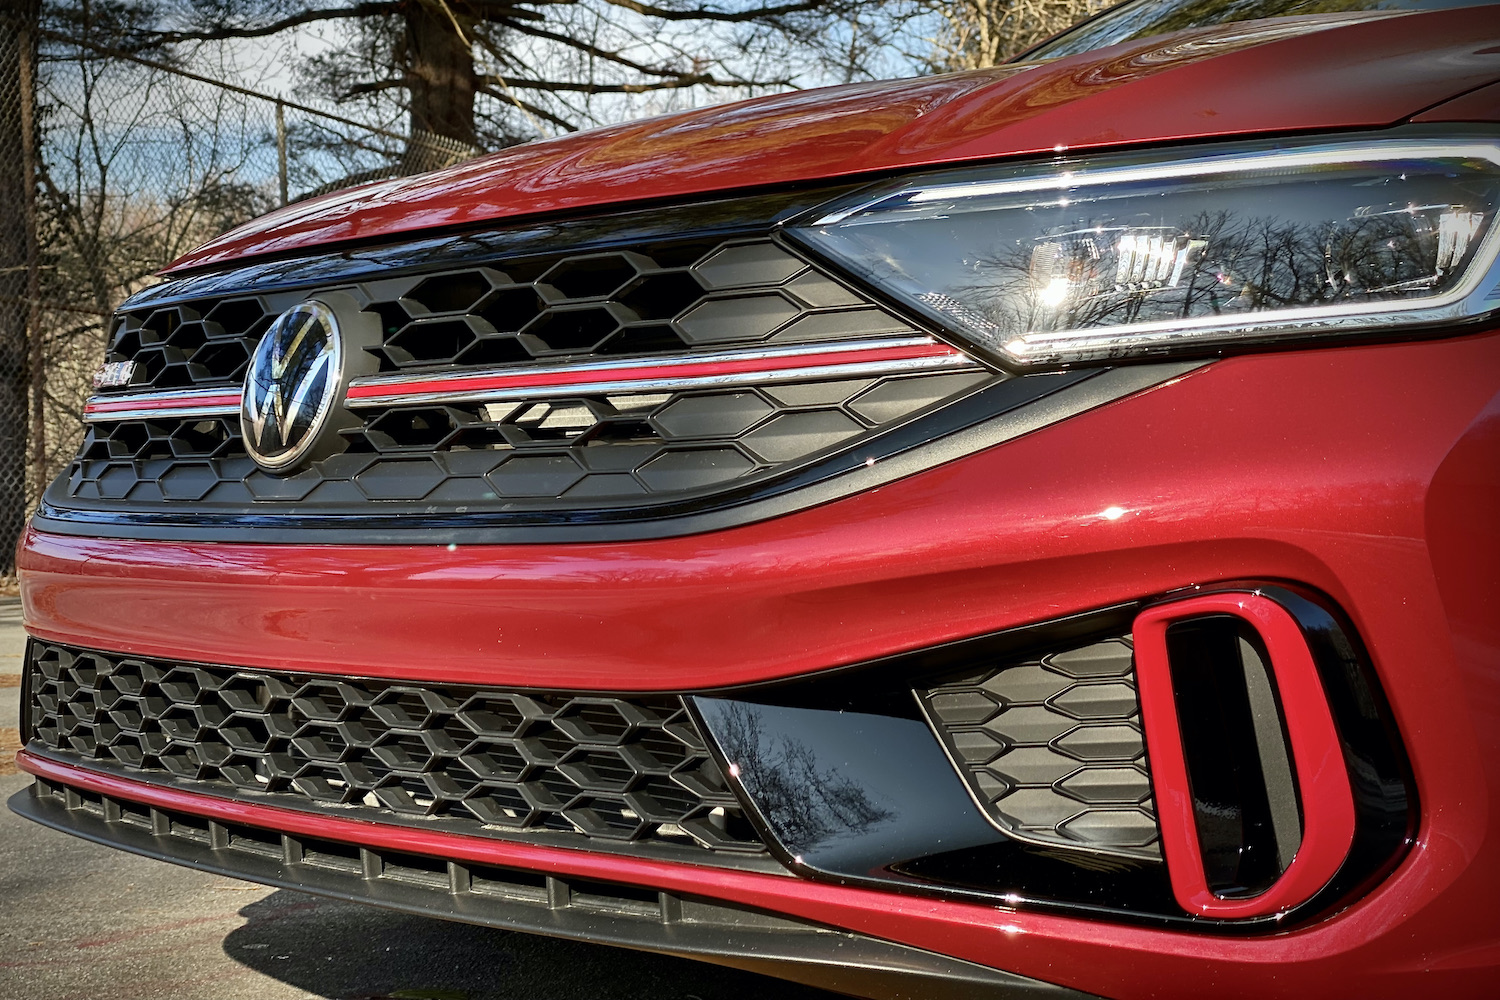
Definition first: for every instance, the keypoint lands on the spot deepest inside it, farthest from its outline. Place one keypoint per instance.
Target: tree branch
(680, 81)
(374, 8)
(709, 14)
(495, 10)
(530, 108)
(686, 80)
(582, 46)
(373, 87)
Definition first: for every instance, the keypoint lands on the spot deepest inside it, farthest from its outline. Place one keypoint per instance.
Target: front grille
(680, 298)
(479, 760)
(581, 451)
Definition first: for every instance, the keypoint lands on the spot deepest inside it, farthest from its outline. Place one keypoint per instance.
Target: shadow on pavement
(347, 951)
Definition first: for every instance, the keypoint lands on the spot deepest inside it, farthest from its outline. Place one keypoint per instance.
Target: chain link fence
(111, 166)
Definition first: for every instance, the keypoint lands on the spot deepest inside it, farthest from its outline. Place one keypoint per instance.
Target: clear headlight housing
(1087, 260)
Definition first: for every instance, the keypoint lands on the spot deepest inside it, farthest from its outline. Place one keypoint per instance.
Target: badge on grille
(292, 386)
(114, 374)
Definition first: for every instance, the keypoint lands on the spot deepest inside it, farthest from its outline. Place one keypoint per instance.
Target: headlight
(1104, 258)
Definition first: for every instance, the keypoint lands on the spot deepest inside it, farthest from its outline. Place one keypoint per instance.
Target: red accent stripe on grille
(499, 382)
(164, 404)
(393, 389)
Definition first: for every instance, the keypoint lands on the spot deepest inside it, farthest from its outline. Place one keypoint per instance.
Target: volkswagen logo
(292, 386)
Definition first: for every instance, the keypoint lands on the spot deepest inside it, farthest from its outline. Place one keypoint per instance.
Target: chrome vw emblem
(292, 385)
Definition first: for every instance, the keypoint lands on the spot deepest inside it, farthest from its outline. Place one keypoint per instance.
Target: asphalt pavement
(84, 922)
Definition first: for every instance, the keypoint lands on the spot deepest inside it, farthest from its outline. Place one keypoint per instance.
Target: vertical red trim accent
(1323, 780)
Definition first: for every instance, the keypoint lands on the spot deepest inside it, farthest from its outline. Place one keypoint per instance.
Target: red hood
(1281, 75)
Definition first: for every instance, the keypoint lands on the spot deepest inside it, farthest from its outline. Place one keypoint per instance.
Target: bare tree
(973, 34)
(486, 73)
(136, 166)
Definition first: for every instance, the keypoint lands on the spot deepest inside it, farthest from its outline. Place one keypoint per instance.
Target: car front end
(1022, 533)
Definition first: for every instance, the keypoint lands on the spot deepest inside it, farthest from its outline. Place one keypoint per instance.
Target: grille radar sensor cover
(1051, 749)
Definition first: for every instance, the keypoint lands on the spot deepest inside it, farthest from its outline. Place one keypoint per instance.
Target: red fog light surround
(1327, 802)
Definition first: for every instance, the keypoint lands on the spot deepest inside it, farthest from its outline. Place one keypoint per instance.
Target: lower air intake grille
(475, 760)
(1052, 751)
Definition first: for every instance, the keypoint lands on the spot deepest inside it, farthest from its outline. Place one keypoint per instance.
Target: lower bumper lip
(560, 905)
(1047, 947)
(480, 850)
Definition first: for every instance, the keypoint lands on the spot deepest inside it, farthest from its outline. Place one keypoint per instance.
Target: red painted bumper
(1369, 473)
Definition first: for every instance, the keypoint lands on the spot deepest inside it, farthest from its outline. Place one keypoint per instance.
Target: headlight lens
(1107, 258)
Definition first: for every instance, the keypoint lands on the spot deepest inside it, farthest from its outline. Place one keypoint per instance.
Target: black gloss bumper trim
(625, 916)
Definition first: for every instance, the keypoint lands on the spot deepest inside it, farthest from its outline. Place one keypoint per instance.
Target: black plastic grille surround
(608, 769)
(669, 298)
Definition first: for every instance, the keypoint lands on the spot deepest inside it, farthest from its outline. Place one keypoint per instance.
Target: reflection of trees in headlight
(1456, 230)
(1214, 263)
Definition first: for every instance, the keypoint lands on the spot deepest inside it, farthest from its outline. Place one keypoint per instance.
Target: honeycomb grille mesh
(614, 769)
(589, 451)
(670, 298)
(1052, 749)
(600, 450)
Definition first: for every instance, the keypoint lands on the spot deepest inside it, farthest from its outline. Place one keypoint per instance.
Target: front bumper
(1365, 473)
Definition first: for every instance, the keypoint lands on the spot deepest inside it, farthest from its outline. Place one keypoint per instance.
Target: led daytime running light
(1094, 260)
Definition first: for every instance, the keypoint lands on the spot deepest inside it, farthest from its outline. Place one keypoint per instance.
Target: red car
(1028, 532)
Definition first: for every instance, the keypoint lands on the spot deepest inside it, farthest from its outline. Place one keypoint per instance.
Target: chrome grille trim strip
(674, 384)
(922, 354)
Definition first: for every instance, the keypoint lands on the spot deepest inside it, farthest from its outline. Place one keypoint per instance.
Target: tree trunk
(18, 20)
(440, 69)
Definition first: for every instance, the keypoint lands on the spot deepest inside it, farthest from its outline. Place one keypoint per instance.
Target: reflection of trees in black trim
(1250, 264)
(804, 804)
